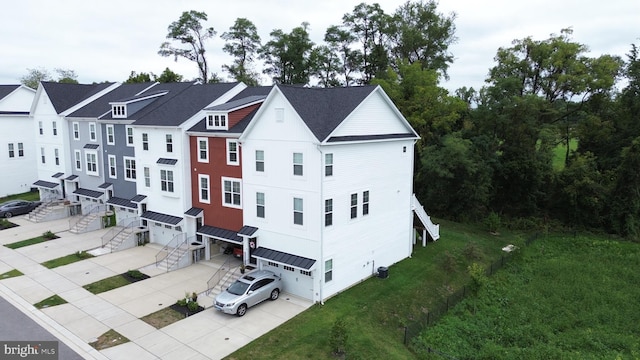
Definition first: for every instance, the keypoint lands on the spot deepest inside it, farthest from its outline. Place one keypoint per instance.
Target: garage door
(295, 282)
(161, 234)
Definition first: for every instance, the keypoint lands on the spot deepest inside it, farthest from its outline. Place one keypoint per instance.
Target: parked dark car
(17, 207)
(251, 289)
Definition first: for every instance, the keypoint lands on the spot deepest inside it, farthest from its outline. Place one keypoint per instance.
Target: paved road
(16, 326)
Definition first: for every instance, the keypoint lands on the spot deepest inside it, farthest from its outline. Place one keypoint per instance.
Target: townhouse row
(313, 184)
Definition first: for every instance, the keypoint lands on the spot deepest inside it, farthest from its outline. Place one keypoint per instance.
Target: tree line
(550, 138)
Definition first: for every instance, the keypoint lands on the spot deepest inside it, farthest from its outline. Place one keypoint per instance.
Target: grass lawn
(107, 284)
(109, 339)
(66, 260)
(565, 298)
(32, 241)
(29, 196)
(10, 274)
(50, 301)
(376, 311)
(162, 318)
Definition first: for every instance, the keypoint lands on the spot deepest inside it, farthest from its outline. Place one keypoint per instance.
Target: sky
(106, 40)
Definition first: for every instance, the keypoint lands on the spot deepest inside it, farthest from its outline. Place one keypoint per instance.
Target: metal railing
(219, 274)
(433, 229)
(170, 254)
(123, 226)
(92, 211)
(47, 203)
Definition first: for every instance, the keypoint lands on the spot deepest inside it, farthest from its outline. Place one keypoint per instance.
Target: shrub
(136, 274)
(449, 262)
(492, 222)
(49, 235)
(472, 251)
(182, 302)
(192, 306)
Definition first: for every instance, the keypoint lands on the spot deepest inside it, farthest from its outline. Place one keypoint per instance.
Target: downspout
(412, 232)
(321, 267)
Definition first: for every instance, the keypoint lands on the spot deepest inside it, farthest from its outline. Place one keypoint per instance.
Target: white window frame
(111, 135)
(298, 210)
(328, 164)
(219, 121)
(261, 209)
(298, 163)
(353, 205)
(118, 111)
(41, 128)
(260, 160)
(56, 156)
(231, 192)
(169, 142)
(130, 172)
(20, 149)
(129, 134)
(54, 128)
(147, 176)
(203, 150)
(78, 160)
(91, 162)
(328, 212)
(145, 141)
(328, 270)
(76, 130)
(279, 114)
(42, 156)
(168, 184)
(12, 151)
(93, 133)
(202, 189)
(113, 166)
(230, 152)
(365, 202)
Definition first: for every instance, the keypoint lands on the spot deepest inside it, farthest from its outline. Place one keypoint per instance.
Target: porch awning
(122, 202)
(194, 212)
(161, 218)
(88, 193)
(284, 258)
(45, 184)
(220, 233)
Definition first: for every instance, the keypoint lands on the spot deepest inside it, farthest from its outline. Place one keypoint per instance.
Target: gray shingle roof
(88, 193)
(247, 230)
(194, 211)
(283, 258)
(238, 128)
(161, 218)
(138, 198)
(323, 109)
(105, 185)
(234, 104)
(220, 233)
(101, 106)
(7, 89)
(175, 108)
(45, 184)
(71, 177)
(57, 175)
(122, 202)
(64, 96)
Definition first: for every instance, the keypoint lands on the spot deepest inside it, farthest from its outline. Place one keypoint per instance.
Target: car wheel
(275, 294)
(8, 215)
(242, 309)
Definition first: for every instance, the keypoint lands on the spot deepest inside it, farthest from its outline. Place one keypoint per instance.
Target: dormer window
(119, 111)
(217, 121)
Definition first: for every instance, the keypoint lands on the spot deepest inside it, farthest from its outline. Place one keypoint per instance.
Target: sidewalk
(206, 335)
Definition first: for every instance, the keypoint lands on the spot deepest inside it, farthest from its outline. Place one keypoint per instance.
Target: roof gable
(101, 106)
(5, 90)
(64, 96)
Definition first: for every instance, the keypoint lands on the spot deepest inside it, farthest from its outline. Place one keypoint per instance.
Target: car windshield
(238, 288)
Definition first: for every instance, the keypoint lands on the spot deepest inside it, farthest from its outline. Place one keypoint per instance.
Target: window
(289, 268)
(119, 111)
(56, 155)
(129, 136)
(203, 181)
(328, 164)
(111, 138)
(328, 212)
(328, 270)
(297, 211)
(260, 160)
(354, 206)
(112, 166)
(169, 139)
(42, 155)
(297, 164)
(231, 192)
(40, 128)
(260, 205)
(92, 162)
(166, 180)
(217, 121)
(20, 150)
(232, 152)
(279, 113)
(76, 131)
(129, 168)
(54, 127)
(365, 203)
(145, 141)
(78, 160)
(404, 149)
(147, 177)
(92, 132)
(203, 150)
(11, 151)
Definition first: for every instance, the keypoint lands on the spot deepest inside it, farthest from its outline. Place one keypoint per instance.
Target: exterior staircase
(173, 256)
(425, 219)
(80, 226)
(41, 213)
(222, 278)
(119, 234)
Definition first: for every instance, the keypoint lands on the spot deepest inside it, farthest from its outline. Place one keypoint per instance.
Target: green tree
(34, 76)
(325, 66)
(135, 77)
(625, 199)
(190, 33)
(287, 56)
(168, 76)
(243, 43)
(348, 60)
(421, 34)
(66, 76)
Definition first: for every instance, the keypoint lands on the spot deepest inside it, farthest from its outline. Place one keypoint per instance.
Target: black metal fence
(425, 320)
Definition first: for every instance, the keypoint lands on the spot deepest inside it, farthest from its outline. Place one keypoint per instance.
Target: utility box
(383, 272)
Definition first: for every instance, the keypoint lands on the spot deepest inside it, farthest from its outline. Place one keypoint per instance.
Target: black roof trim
(161, 218)
(91, 146)
(88, 193)
(57, 175)
(72, 178)
(284, 258)
(165, 161)
(138, 198)
(371, 137)
(105, 185)
(194, 211)
(220, 233)
(45, 184)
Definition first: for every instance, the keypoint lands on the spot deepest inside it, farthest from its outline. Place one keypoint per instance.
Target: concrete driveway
(206, 335)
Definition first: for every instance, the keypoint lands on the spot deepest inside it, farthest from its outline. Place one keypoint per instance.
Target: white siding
(372, 117)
